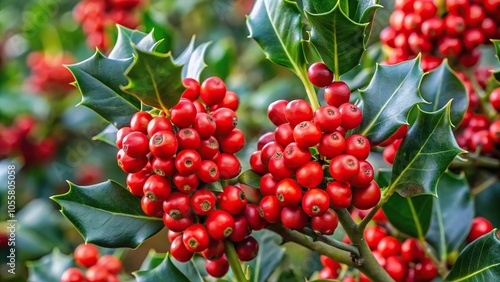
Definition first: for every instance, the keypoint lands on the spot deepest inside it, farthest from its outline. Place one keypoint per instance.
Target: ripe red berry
(129, 164)
(203, 201)
(163, 167)
(340, 194)
(366, 197)
(136, 144)
(225, 121)
(297, 111)
(459, 7)
(97, 274)
(351, 116)
(325, 223)
(310, 174)
(495, 131)
(426, 270)
(328, 118)
(315, 202)
(217, 268)
(494, 99)
(192, 91)
(329, 262)
(208, 172)
(373, 235)
(264, 139)
(159, 124)
(232, 199)
(220, 224)
(276, 112)
(319, 74)
(187, 162)
(358, 146)
(172, 235)
(256, 163)
(121, 134)
(241, 229)
(387, 36)
(307, 134)
(454, 24)
(177, 225)
(293, 217)
(411, 251)
(295, 156)
(425, 9)
(179, 251)
(135, 182)
(209, 148)
(163, 144)
(72, 274)
(278, 168)
(229, 166)
(86, 255)
(230, 101)
(284, 134)
(232, 142)
(432, 28)
(247, 249)
(183, 114)
(480, 226)
(389, 246)
(269, 150)
(157, 188)
(188, 138)
(110, 263)
(288, 192)
(212, 91)
(195, 238)
(327, 273)
(365, 175)
(254, 220)
(397, 268)
(151, 208)
(344, 167)
(204, 124)
(270, 208)
(215, 250)
(331, 144)
(177, 205)
(139, 122)
(337, 93)
(186, 183)
(481, 140)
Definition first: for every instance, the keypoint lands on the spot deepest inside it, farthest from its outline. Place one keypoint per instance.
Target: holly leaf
(318, 7)
(479, 261)
(339, 40)
(269, 258)
(189, 270)
(183, 58)
(108, 135)
(155, 79)
(425, 154)
(364, 10)
(496, 43)
(152, 260)
(387, 100)
(277, 27)
(439, 87)
(107, 215)
(250, 178)
(411, 216)
(196, 62)
(99, 78)
(50, 267)
(452, 215)
(165, 269)
(127, 38)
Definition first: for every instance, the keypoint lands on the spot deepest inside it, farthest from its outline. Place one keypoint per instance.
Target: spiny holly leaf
(196, 62)
(318, 7)
(250, 178)
(362, 11)
(50, 267)
(127, 38)
(107, 215)
(166, 269)
(277, 28)
(411, 216)
(155, 79)
(496, 42)
(479, 261)
(189, 270)
(392, 92)
(183, 58)
(268, 260)
(439, 87)
(98, 79)
(425, 154)
(452, 215)
(339, 39)
(108, 135)
(152, 260)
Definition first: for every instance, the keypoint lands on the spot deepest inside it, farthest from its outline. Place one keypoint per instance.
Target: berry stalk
(311, 93)
(234, 262)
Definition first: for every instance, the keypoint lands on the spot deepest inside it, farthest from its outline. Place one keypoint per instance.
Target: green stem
(234, 262)
(334, 243)
(385, 197)
(483, 186)
(311, 92)
(475, 160)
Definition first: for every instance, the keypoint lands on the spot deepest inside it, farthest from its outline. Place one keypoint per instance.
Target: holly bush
(378, 159)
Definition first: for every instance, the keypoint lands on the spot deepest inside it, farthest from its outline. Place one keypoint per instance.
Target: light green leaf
(127, 38)
(250, 178)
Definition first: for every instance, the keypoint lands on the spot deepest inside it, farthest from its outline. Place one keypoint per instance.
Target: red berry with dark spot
(232, 199)
(319, 74)
(157, 188)
(325, 223)
(340, 194)
(203, 201)
(217, 268)
(220, 224)
(179, 251)
(315, 202)
(195, 238)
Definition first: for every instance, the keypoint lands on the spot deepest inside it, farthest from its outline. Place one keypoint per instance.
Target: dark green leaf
(108, 135)
(277, 28)
(250, 178)
(364, 10)
(425, 154)
(439, 87)
(98, 79)
(108, 215)
(189, 270)
(452, 215)
(215, 186)
(155, 79)
(496, 42)
(127, 38)
(196, 64)
(486, 203)
(411, 216)
(269, 258)
(479, 261)
(318, 7)
(50, 267)
(392, 92)
(165, 270)
(152, 260)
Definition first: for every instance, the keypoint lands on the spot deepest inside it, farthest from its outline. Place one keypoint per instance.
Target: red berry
(296, 156)
(432, 28)
(330, 263)
(220, 224)
(337, 93)
(293, 217)
(426, 270)
(373, 235)
(454, 24)
(297, 111)
(396, 268)
(288, 192)
(187, 162)
(157, 188)
(325, 223)
(186, 184)
(315, 202)
(389, 246)
(136, 144)
(358, 146)
(494, 99)
(208, 172)
(247, 249)
(459, 7)
(256, 163)
(229, 166)
(264, 139)
(268, 184)
(449, 46)
(495, 131)
(195, 238)
(212, 91)
(367, 197)
(307, 134)
(188, 138)
(203, 201)
(163, 144)
(387, 36)
(135, 182)
(159, 124)
(111, 263)
(232, 142)
(204, 124)
(480, 226)
(209, 148)
(179, 251)
(183, 114)
(72, 274)
(344, 167)
(172, 235)
(276, 112)
(200, 107)
(139, 122)
(425, 9)
(328, 118)
(365, 175)
(163, 167)
(340, 194)
(217, 268)
(129, 164)
(310, 174)
(481, 140)
(331, 144)
(230, 101)
(351, 116)
(270, 208)
(327, 273)
(97, 274)
(254, 220)
(192, 91)
(215, 250)
(319, 74)
(411, 251)
(269, 150)
(241, 229)
(121, 134)
(232, 199)
(278, 168)
(177, 225)
(225, 121)
(284, 134)
(151, 208)
(86, 255)
(177, 205)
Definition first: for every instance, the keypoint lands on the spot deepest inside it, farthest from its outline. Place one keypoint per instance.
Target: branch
(475, 160)
(332, 242)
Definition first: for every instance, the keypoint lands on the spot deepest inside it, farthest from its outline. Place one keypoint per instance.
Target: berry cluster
(96, 16)
(420, 26)
(96, 268)
(48, 75)
(23, 138)
(308, 165)
(170, 161)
